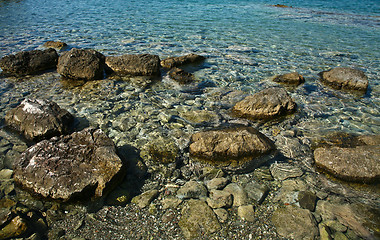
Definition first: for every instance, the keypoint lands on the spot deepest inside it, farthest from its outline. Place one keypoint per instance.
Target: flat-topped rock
(29, 62)
(39, 119)
(345, 78)
(180, 61)
(82, 64)
(234, 149)
(266, 104)
(79, 165)
(293, 78)
(134, 65)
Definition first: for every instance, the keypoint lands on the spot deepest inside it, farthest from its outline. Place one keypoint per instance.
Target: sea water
(246, 42)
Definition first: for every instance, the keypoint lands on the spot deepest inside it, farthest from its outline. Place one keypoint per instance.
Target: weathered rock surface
(282, 170)
(217, 183)
(82, 164)
(180, 61)
(295, 223)
(266, 104)
(345, 78)
(39, 119)
(145, 198)
(134, 65)
(192, 189)
(219, 199)
(361, 163)
(247, 213)
(240, 197)
(181, 76)
(55, 44)
(82, 64)
(293, 78)
(29, 62)
(234, 149)
(307, 200)
(198, 219)
(256, 191)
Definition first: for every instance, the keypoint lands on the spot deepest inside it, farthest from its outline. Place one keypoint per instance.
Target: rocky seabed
(149, 152)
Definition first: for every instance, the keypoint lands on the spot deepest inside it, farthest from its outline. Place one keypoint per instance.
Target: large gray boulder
(84, 64)
(82, 164)
(266, 104)
(182, 60)
(134, 65)
(234, 149)
(39, 119)
(345, 78)
(29, 62)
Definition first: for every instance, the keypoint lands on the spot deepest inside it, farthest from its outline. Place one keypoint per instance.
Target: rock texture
(266, 104)
(135, 65)
(81, 64)
(55, 44)
(180, 61)
(181, 76)
(235, 149)
(295, 223)
(198, 219)
(78, 165)
(345, 79)
(293, 78)
(29, 62)
(39, 119)
(361, 163)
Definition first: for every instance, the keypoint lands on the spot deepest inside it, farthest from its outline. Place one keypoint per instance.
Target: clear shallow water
(246, 43)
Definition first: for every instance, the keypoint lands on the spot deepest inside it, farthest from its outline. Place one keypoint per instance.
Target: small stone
(192, 189)
(6, 174)
(217, 183)
(324, 232)
(219, 199)
(222, 214)
(15, 228)
(118, 197)
(293, 78)
(171, 202)
(198, 219)
(247, 213)
(256, 191)
(282, 171)
(307, 200)
(5, 215)
(339, 236)
(335, 225)
(240, 197)
(145, 198)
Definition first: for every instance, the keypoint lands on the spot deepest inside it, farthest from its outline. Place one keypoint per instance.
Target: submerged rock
(293, 78)
(134, 65)
(361, 163)
(282, 171)
(198, 219)
(82, 164)
(234, 149)
(345, 78)
(29, 62)
(15, 228)
(180, 61)
(55, 44)
(81, 64)
(295, 223)
(192, 189)
(39, 119)
(181, 76)
(266, 104)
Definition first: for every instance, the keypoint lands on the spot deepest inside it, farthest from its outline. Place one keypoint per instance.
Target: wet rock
(198, 219)
(39, 119)
(247, 213)
(335, 226)
(134, 65)
(15, 228)
(324, 232)
(219, 199)
(55, 44)
(6, 174)
(361, 163)
(222, 214)
(295, 223)
(192, 189)
(266, 104)
(82, 164)
(217, 183)
(181, 76)
(288, 194)
(263, 173)
(345, 78)
(281, 6)
(161, 150)
(240, 197)
(339, 236)
(293, 78)
(256, 191)
(5, 215)
(235, 149)
(282, 171)
(171, 202)
(81, 64)
(29, 62)
(118, 197)
(144, 199)
(200, 116)
(307, 200)
(180, 61)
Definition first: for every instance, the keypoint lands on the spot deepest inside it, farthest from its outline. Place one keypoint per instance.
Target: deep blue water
(246, 42)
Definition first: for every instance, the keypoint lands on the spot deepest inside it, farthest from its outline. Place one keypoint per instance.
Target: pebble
(307, 200)
(217, 183)
(239, 195)
(222, 214)
(144, 199)
(192, 189)
(247, 213)
(219, 199)
(256, 191)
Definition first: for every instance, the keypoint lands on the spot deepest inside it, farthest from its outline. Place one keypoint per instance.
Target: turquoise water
(246, 43)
